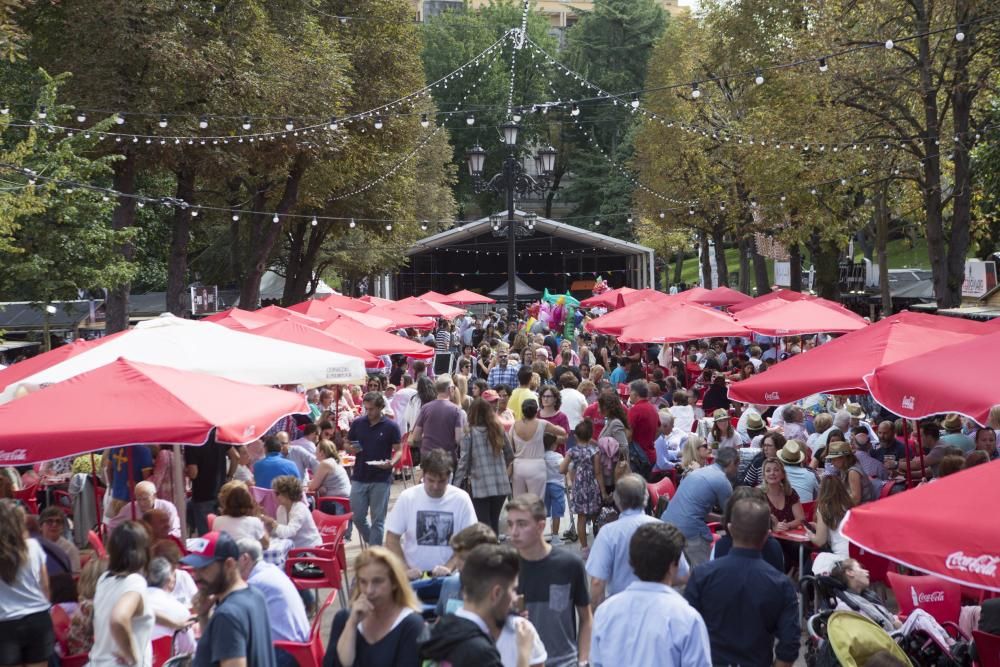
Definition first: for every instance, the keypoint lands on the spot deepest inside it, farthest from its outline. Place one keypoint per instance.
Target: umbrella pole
(131, 480)
(97, 501)
(920, 449)
(906, 449)
(180, 495)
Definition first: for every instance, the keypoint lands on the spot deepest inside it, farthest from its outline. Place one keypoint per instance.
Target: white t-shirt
(425, 524)
(507, 643)
(239, 526)
(110, 589)
(573, 405)
(25, 596)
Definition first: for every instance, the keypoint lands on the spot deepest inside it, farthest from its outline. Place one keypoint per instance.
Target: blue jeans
(372, 496)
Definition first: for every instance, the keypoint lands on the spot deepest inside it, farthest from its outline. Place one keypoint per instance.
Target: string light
(575, 111)
(388, 227)
(959, 36)
(822, 65)
(470, 120)
(424, 123)
(275, 219)
(4, 108)
(314, 221)
(42, 112)
(333, 124)
(81, 117)
(203, 122)
(246, 125)
(889, 44)
(597, 223)
(378, 122)
(517, 115)
(120, 118)
(163, 122)
(759, 78)
(289, 125)
(695, 92)
(635, 100)
(352, 224)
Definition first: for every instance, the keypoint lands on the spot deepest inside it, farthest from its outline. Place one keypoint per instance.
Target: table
(798, 536)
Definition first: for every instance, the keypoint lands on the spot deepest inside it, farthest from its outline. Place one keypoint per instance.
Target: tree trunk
(551, 194)
(261, 251)
(180, 235)
(678, 267)
(744, 266)
(882, 245)
(116, 304)
(293, 263)
(718, 238)
(795, 268)
(826, 259)
(299, 284)
(706, 262)
(760, 276)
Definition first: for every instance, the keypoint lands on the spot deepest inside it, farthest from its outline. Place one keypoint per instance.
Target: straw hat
(792, 453)
(952, 423)
(837, 449)
(754, 422)
(855, 411)
(720, 415)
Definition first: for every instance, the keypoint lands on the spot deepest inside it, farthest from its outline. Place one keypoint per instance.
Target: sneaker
(556, 541)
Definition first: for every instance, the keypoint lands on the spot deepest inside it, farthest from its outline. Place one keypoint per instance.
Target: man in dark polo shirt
(374, 440)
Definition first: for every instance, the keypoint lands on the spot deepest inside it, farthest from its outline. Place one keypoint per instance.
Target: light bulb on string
(635, 100)
(194, 214)
(81, 117)
(378, 122)
(246, 125)
(889, 44)
(662, 215)
(333, 124)
(236, 216)
(423, 226)
(424, 122)
(597, 223)
(470, 120)
(759, 78)
(959, 36)
(629, 219)
(314, 221)
(388, 227)
(352, 224)
(575, 110)
(822, 65)
(517, 115)
(120, 118)
(695, 92)
(4, 108)
(203, 122)
(289, 125)
(275, 219)
(43, 112)
(163, 121)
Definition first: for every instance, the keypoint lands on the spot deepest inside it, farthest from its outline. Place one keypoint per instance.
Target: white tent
(272, 287)
(209, 348)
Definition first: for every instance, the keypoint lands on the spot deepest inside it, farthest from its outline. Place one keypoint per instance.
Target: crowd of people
(471, 565)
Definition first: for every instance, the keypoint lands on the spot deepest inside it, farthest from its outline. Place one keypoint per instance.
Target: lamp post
(513, 179)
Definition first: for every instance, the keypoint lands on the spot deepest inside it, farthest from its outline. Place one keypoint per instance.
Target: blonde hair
(786, 487)
(86, 587)
(690, 453)
(402, 593)
(328, 449)
(993, 421)
(535, 382)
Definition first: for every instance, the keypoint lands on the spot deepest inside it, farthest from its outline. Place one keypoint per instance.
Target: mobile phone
(517, 606)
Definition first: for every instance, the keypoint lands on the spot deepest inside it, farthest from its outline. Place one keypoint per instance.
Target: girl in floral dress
(587, 490)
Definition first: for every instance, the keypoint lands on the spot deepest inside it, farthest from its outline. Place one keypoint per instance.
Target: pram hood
(855, 638)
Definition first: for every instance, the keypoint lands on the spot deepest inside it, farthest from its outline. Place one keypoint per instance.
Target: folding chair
(310, 654)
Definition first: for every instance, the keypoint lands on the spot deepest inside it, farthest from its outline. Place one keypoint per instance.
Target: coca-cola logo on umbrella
(984, 564)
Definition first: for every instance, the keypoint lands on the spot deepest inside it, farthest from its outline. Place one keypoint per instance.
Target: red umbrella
(240, 320)
(367, 319)
(839, 367)
(783, 294)
(608, 299)
(720, 296)
(792, 318)
(292, 331)
(279, 313)
(375, 341)
(23, 369)
(436, 297)
(645, 294)
(682, 322)
(421, 308)
(954, 378)
(613, 322)
(129, 403)
(931, 528)
(401, 320)
(466, 298)
(376, 301)
(322, 307)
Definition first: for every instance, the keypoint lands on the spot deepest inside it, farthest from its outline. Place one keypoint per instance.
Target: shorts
(26, 640)
(555, 500)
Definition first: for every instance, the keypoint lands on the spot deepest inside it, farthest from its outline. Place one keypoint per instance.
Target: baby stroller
(849, 639)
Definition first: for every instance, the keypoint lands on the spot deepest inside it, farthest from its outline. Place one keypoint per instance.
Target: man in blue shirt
(375, 442)
(285, 610)
(608, 565)
(746, 603)
(273, 464)
(678, 636)
(117, 461)
(502, 372)
(697, 496)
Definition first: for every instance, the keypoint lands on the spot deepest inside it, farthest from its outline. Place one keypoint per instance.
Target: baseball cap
(210, 547)
(490, 396)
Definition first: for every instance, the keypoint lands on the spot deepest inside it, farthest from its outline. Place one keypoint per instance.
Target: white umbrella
(208, 348)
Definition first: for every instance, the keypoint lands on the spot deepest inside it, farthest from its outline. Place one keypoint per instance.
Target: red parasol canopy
(680, 322)
(608, 299)
(838, 367)
(720, 296)
(322, 307)
(367, 319)
(466, 298)
(646, 294)
(792, 318)
(931, 527)
(129, 403)
(279, 313)
(23, 369)
(292, 331)
(954, 378)
(238, 319)
(375, 300)
(613, 322)
(436, 297)
(783, 294)
(422, 308)
(401, 320)
(376, 342)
